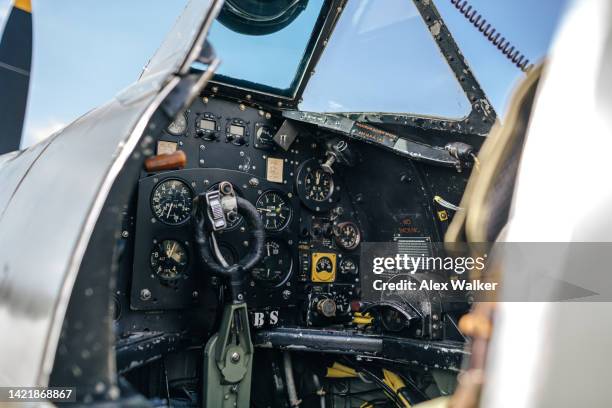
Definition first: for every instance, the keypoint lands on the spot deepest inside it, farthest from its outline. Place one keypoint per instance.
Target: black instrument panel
(315, 220)
(152, 229)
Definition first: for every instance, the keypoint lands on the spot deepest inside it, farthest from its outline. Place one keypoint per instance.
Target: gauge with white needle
(275, 268)
(172, 201)
(274, 209)
(319, 184)
(169, 259)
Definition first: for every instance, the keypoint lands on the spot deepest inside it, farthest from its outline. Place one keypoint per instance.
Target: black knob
(239, 140)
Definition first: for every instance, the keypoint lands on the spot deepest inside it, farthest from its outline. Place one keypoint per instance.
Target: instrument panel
(316, 215)
(163, 216)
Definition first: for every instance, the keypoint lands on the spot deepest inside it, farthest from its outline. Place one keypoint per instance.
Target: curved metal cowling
(51, 196)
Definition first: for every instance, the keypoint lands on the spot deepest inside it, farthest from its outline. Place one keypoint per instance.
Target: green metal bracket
(228, 359)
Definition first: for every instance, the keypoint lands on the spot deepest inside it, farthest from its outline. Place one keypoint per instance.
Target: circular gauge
(343, 305)
(264, 136)
(274, 209)
(169, 259)
(233, 223)
(347, 235)
(172, 201)
(324, 264)
(348, 266)
(315, 187)
(179, 126)
(319, 184)
(276, 265)
(393, 320)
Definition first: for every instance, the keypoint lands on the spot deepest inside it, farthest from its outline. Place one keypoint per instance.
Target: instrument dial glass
(348, 266)
(264, 136)
(169, 259)
(324, 264)
(179, 126)
(275, 210)
(319, 184)
(347, 235)
(276, 265)
(172, 202)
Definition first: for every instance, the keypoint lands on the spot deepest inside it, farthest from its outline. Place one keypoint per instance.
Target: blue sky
(86, 51)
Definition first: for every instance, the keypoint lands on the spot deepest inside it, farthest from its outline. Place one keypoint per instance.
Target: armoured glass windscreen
(270, 58)
(382, 58)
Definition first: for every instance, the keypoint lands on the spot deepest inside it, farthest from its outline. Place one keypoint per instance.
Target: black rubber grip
(257, 238)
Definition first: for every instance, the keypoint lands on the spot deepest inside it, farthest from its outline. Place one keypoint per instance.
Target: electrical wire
(217, 251)
(449, 206)
(378, 381)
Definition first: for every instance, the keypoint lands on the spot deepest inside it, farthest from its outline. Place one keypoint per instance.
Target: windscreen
(382, 58)
(270, 58)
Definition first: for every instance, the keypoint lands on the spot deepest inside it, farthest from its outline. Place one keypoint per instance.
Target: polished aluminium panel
(14, 167)
(183, 44)
(40, 229)
(51, 198)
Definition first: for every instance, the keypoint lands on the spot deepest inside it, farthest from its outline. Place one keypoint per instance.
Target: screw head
(145, 294)
(235, 357)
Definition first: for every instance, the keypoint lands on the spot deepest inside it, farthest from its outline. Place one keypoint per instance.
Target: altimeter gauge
(169, 259)
(275, 210)
(172, 201)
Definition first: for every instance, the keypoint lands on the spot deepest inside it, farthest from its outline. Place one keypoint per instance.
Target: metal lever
(228, 360)
(222, 206)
